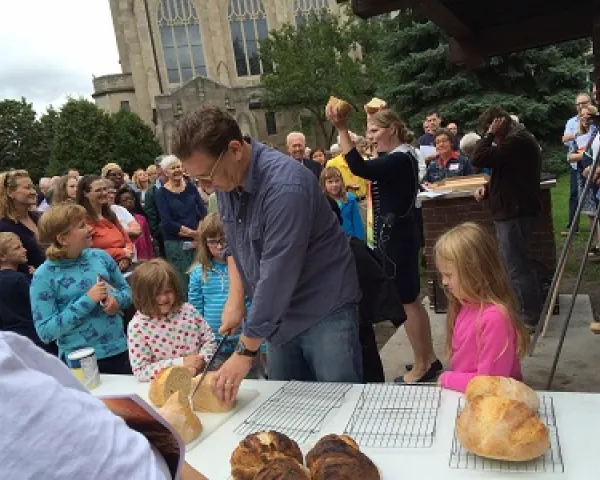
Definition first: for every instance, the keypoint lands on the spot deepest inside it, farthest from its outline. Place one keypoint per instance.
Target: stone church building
(176, 55)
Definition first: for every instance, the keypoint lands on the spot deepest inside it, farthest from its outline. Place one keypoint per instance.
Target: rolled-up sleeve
(288, 217)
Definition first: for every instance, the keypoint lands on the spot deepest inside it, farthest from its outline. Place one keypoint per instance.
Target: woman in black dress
(394, 186)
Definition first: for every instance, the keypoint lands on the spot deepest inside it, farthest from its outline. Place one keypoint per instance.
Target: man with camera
(513, 192)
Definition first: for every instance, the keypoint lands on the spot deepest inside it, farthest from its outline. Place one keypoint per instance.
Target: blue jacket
(351, 220)
(63, 312)
(209, 297)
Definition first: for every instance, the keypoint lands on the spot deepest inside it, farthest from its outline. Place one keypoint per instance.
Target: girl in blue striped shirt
(209, 286)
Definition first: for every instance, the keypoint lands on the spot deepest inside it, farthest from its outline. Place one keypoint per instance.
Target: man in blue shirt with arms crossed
(288, 253)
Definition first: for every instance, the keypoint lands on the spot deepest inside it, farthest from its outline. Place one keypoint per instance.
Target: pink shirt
(483, 343)
(156, 343)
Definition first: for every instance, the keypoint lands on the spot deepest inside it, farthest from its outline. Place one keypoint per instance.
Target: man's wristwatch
(241, 349)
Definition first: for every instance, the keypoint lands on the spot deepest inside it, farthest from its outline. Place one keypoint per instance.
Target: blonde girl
(165, 330)
(209, 284)
(332, 184)
(78, 293)
(484, 334)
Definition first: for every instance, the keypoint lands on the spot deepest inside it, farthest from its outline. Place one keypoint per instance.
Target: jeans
(327, 352)
(513, 241)
(117, 364)
(573, 195)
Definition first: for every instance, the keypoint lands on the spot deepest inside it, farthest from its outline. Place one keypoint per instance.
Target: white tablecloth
(577, 415)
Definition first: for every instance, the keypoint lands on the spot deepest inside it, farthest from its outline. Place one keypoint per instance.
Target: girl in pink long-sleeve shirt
(485, 335)
(165, 331)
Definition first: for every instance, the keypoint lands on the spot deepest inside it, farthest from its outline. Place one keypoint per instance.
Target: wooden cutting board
(470, 182)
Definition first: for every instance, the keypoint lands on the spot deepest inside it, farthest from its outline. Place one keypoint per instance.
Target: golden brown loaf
(204, 399)
(282, 468)
(258, 449)
(169, 381)
(502, 387)
(375, 105)
(342, 106)
(337, 457)
(501, 429)
(178, 412)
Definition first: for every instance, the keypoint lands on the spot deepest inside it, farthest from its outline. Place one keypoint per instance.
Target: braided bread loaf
(337, 457)
(258, 449)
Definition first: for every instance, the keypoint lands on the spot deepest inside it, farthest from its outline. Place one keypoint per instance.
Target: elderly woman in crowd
(65, 190)
(180, 210)
(17, 201)
(395, 183)
(114, 173)
(447, 163)
(106, 230)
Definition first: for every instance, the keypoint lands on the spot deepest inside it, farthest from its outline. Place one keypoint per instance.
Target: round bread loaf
(169, 381)
(342, 106)
(282, 468)
(337, 457)
(502, 429)
(502, 387)
(204, 400)
(178, 412)
(258, 449)
(375, 105)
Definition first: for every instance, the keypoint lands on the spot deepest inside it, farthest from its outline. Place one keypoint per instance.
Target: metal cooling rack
(551, 461)
(395, 416)
(297, 409)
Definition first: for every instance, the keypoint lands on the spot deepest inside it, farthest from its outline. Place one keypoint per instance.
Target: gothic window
(305, 9)
(181, 40)
(248, 23)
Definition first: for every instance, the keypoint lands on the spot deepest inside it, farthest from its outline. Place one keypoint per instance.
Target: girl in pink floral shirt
(165, 331)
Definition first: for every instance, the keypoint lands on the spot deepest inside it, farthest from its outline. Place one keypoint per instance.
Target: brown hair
(8, 183)
(210, 227)
(6, 240)
(208, 129)
(59, 193)
(85, 186)
(443, 131)
(329, 173)
(483, 278)
(148, 280)
(388, 118)
(56, 221)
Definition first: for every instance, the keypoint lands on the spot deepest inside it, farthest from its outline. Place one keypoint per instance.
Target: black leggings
(117, 364)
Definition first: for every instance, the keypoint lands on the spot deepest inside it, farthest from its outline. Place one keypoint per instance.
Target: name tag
(453, 167)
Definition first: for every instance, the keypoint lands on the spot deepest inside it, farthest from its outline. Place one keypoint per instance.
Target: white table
(577, 414)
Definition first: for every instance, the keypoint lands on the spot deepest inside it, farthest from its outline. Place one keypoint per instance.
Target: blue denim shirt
(288, 245)
(456, 167)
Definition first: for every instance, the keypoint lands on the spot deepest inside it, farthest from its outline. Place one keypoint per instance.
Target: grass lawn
(560, 215)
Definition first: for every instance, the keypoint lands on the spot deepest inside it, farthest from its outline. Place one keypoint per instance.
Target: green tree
(538, 85)
(318, 59)
(135, 145)
(48, 122)
(82, 138)
(21, 141)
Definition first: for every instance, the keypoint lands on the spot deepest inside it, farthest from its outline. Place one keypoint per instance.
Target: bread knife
(210, 363)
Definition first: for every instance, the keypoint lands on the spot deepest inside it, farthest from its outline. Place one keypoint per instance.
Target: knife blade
(210, 363)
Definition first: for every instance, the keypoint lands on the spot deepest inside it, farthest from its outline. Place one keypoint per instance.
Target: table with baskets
(408, 431)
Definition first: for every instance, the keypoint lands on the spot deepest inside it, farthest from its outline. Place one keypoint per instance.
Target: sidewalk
(578, 366)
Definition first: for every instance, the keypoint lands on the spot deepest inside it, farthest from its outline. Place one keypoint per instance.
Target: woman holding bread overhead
(394, 179)
(165, 331)
(485, 335)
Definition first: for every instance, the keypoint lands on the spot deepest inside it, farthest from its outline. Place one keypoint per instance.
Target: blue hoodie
(352, 223)
(63, 311)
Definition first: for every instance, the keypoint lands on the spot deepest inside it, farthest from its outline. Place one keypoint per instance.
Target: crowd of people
(294, 256)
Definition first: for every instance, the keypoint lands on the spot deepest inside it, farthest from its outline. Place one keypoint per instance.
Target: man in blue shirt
(569, 139)
(289, 252)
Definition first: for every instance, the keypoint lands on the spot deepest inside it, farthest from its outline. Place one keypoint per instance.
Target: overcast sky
(49, 49)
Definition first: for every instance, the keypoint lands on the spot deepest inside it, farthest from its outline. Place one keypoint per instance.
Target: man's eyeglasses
(209, 177)
(582, 104)
(214, 242)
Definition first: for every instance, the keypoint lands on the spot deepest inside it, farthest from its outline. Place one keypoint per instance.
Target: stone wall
(441, 214)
